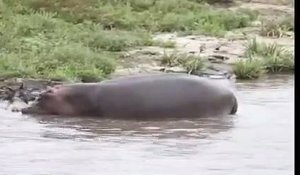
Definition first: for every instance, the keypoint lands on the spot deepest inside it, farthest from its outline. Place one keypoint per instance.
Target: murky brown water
(259, 140)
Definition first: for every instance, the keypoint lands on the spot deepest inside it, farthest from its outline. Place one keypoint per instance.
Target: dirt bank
(221, 53)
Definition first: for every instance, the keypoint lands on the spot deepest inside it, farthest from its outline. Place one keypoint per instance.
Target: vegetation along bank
(89, 40)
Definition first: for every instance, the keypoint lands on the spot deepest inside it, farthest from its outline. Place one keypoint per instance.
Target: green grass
(276, 58)
(172, 59)
(262, 58)
(248, 68)
(40, 46)
(280, 63)
(80, 40)
(150, 15)
(193, 64)
(278, 27)
(190, 63)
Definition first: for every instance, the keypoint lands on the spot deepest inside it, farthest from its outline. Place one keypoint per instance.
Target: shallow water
(259, 140)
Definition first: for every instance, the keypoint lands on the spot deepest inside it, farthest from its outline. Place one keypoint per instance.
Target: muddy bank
(220, 53)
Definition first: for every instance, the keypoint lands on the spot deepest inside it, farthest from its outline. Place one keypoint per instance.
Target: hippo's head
(50, 102)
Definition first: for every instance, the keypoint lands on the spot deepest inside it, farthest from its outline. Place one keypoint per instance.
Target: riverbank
(71, 41)
(268, 34)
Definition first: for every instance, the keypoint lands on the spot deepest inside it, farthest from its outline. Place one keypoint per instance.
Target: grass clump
(262, 58)
(248, 68)
(190, 63)
(278, 27)
(280, 61)
(275, 57)
(172, 59)
(193, 64)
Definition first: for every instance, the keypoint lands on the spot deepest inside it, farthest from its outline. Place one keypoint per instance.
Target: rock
(149, 52)
(217, 58)
(213, 74)
(173, 70)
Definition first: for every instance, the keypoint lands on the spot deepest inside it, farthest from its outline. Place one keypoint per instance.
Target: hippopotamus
(140, 96)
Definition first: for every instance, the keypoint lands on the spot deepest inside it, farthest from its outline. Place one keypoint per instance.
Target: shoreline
(124, 52)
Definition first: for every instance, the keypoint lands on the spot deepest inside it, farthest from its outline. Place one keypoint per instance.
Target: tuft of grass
(253, 47)
(191, 63)
(248, 68)
(277, 27)
(262, 58)
(173, 59)
(280, 63)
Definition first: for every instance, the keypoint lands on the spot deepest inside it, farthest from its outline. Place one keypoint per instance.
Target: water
(259, 140)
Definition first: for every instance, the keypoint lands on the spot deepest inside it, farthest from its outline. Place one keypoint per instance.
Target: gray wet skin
(142, 96)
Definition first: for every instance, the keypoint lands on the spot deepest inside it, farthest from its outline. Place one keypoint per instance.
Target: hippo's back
(164, 95)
